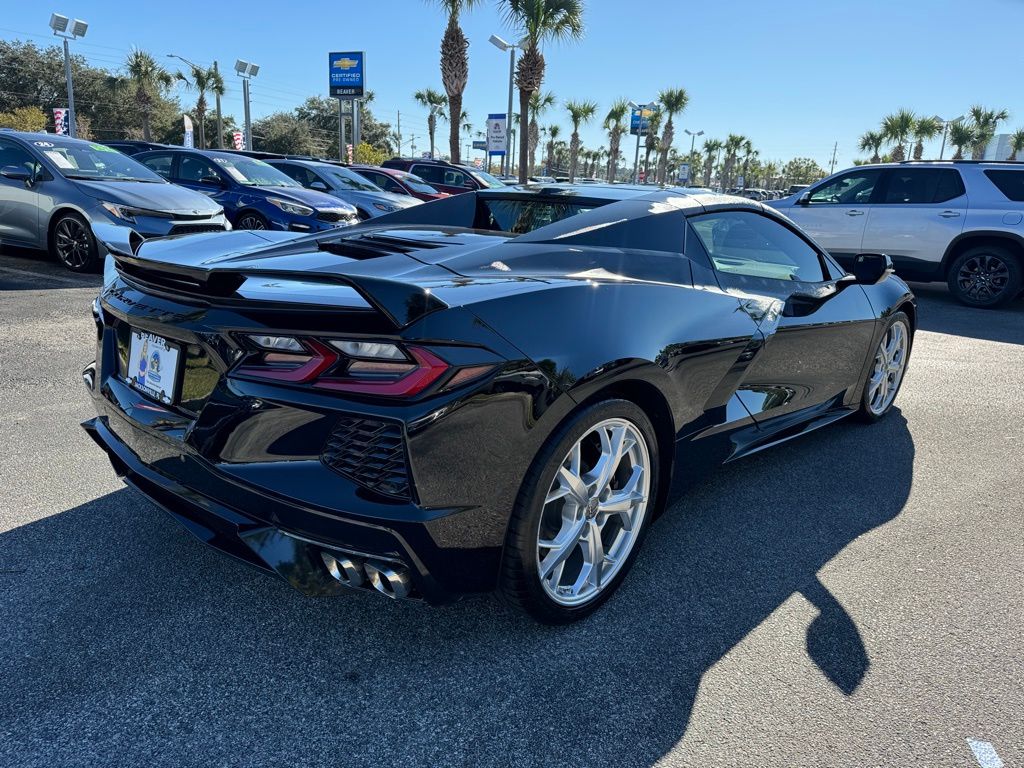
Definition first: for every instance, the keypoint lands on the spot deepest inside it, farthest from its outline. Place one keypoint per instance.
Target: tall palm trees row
(904, 133)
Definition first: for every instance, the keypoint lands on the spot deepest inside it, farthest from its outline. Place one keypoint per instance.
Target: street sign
(639, 120)
(684, 173)
(479, 145)
(741, 182)
(497, 134)
(347, 74)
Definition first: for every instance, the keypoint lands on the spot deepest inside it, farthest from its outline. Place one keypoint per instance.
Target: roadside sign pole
(341, 130)
(636, 157)
(248, 123)
(507, 160)
(356, 123)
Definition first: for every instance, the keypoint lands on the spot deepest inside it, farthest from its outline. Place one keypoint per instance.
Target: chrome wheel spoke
(890, 363)
(624, 502)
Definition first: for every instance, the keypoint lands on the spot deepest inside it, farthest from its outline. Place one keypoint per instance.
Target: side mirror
(213, 181)
(16, 173)
(871, 268)
(319, 185)
(804, 199)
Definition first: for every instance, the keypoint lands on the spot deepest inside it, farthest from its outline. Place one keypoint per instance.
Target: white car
(958, 221)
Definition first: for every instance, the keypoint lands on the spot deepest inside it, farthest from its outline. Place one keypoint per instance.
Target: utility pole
(341, 131)
(412, 146)
(832, 166)
(357, 128)
(399, 133)
(220, 122)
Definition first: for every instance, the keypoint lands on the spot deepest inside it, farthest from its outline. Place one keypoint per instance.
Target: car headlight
(385, 207)
(288, 207)
(128, 212)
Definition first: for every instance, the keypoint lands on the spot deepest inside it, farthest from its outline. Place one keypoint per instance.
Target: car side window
(195, 169)
(431, 173)
(853, 188)
(388, 184)
(909, 186)
(454, 178)
(159, 164)
(747, 243)
(12, 154)
(300, 175)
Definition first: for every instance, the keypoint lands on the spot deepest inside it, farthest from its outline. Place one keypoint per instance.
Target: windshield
(417, 184)
(84, 160)
(351, 180)
(487, 180)
(253, 172)
(524, 215)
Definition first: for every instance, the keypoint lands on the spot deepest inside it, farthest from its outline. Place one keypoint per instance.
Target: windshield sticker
(102, 148)
(221, 160)
(59, 159)
(43, 143)
(235, 174)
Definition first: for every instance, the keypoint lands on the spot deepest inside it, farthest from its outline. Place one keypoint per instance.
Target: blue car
(370, 200)
(254, 195)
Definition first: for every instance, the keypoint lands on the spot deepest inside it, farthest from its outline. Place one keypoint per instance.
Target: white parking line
(985, 754)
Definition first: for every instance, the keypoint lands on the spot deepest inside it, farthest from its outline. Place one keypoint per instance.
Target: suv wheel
(985, 276)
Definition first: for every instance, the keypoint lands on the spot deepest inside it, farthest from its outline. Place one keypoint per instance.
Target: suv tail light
(361, 367)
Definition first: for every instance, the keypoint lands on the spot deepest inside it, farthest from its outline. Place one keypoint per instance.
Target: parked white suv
(956, 221)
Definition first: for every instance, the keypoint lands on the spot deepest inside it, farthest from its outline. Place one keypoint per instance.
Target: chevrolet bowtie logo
(345, 63)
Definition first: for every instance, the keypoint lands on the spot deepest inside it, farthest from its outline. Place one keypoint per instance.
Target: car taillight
(361, 367)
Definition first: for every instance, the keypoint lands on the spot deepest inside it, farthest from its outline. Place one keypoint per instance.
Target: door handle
(949, 214)
(855, 213)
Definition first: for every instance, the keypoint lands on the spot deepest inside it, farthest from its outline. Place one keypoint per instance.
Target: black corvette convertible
(457, 400)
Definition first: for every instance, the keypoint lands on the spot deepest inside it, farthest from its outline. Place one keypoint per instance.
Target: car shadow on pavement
(939, 312)
(26, 269)
(125, 641)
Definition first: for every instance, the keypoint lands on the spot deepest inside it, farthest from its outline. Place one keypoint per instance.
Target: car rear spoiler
(402, 303)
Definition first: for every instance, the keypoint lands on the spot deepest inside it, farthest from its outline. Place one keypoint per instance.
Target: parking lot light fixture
(246, 70)
(68, 29)
(693, 138)
(945, 128)
(504, 45)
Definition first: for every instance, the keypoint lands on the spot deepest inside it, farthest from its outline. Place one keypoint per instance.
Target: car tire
(986, 276)
(72, 244)
(573, 530)
(888, 368)
(252, 220)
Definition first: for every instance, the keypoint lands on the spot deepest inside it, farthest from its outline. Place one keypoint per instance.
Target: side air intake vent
(371, 453)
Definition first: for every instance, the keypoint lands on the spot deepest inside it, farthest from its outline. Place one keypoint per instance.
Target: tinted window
(304, 176)
(522, 216)
(850, 188)
(195, 169)
(159, 163)
(439, 174)
(923, 185)
(743, 243)
(1010, 183)
(12, 154)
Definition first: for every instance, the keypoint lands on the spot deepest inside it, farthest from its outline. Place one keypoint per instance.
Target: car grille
(333, 216)
(370, 453)
(188, 229)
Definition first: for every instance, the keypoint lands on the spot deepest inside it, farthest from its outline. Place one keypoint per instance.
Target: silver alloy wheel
(71, 242)
(593, 512)
(251, 221)
(890, 364)
(983, 277)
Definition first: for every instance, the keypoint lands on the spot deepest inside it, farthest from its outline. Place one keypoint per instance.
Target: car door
(814, 354)
(835, 212)
(19, 202)
(919, 212)
(198, 173)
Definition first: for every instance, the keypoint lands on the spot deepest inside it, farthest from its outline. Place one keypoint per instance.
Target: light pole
(246, 70)
(945, 127)
(67, 29)
(504, 45)
(220, 123)
(693, 141)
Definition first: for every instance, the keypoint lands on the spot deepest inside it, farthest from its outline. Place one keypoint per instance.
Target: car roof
(602, 191)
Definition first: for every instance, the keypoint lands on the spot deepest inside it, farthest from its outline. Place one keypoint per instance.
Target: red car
(398, 182)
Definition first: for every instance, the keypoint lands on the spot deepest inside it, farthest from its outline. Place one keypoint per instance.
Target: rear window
(522, 216)
(1010, 183)
(910, 186)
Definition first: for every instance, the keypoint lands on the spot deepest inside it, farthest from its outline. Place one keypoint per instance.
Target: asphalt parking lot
(850, 598)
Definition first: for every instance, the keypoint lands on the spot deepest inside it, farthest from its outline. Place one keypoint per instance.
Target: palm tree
(748, 153)
(651, 142)
(984, 122)
(579, 112)
(613, 123)
(1016, 144)
(539, 104)
(436, 102)
(673, 102)
(204, 80)
(897, 129)
(553, 132)
(732, 147)
(924, 129)
(961, 135)
(711, 148)
(768, 173)
(149, 80)
(536, 22)
(454, 66)
(872, 142)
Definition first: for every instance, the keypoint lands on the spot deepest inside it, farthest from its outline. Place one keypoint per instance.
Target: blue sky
(795, 76)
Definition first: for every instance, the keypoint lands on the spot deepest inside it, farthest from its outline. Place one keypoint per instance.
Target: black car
(445, 176)
(134, 147)
(430, 410)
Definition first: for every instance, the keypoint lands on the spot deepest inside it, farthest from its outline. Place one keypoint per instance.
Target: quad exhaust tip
(391, 581)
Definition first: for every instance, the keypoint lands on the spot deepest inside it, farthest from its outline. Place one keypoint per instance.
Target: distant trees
(24, 119)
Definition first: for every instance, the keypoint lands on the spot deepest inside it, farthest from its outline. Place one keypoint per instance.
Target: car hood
(310, 197)
(151, 196)
(358, 197)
